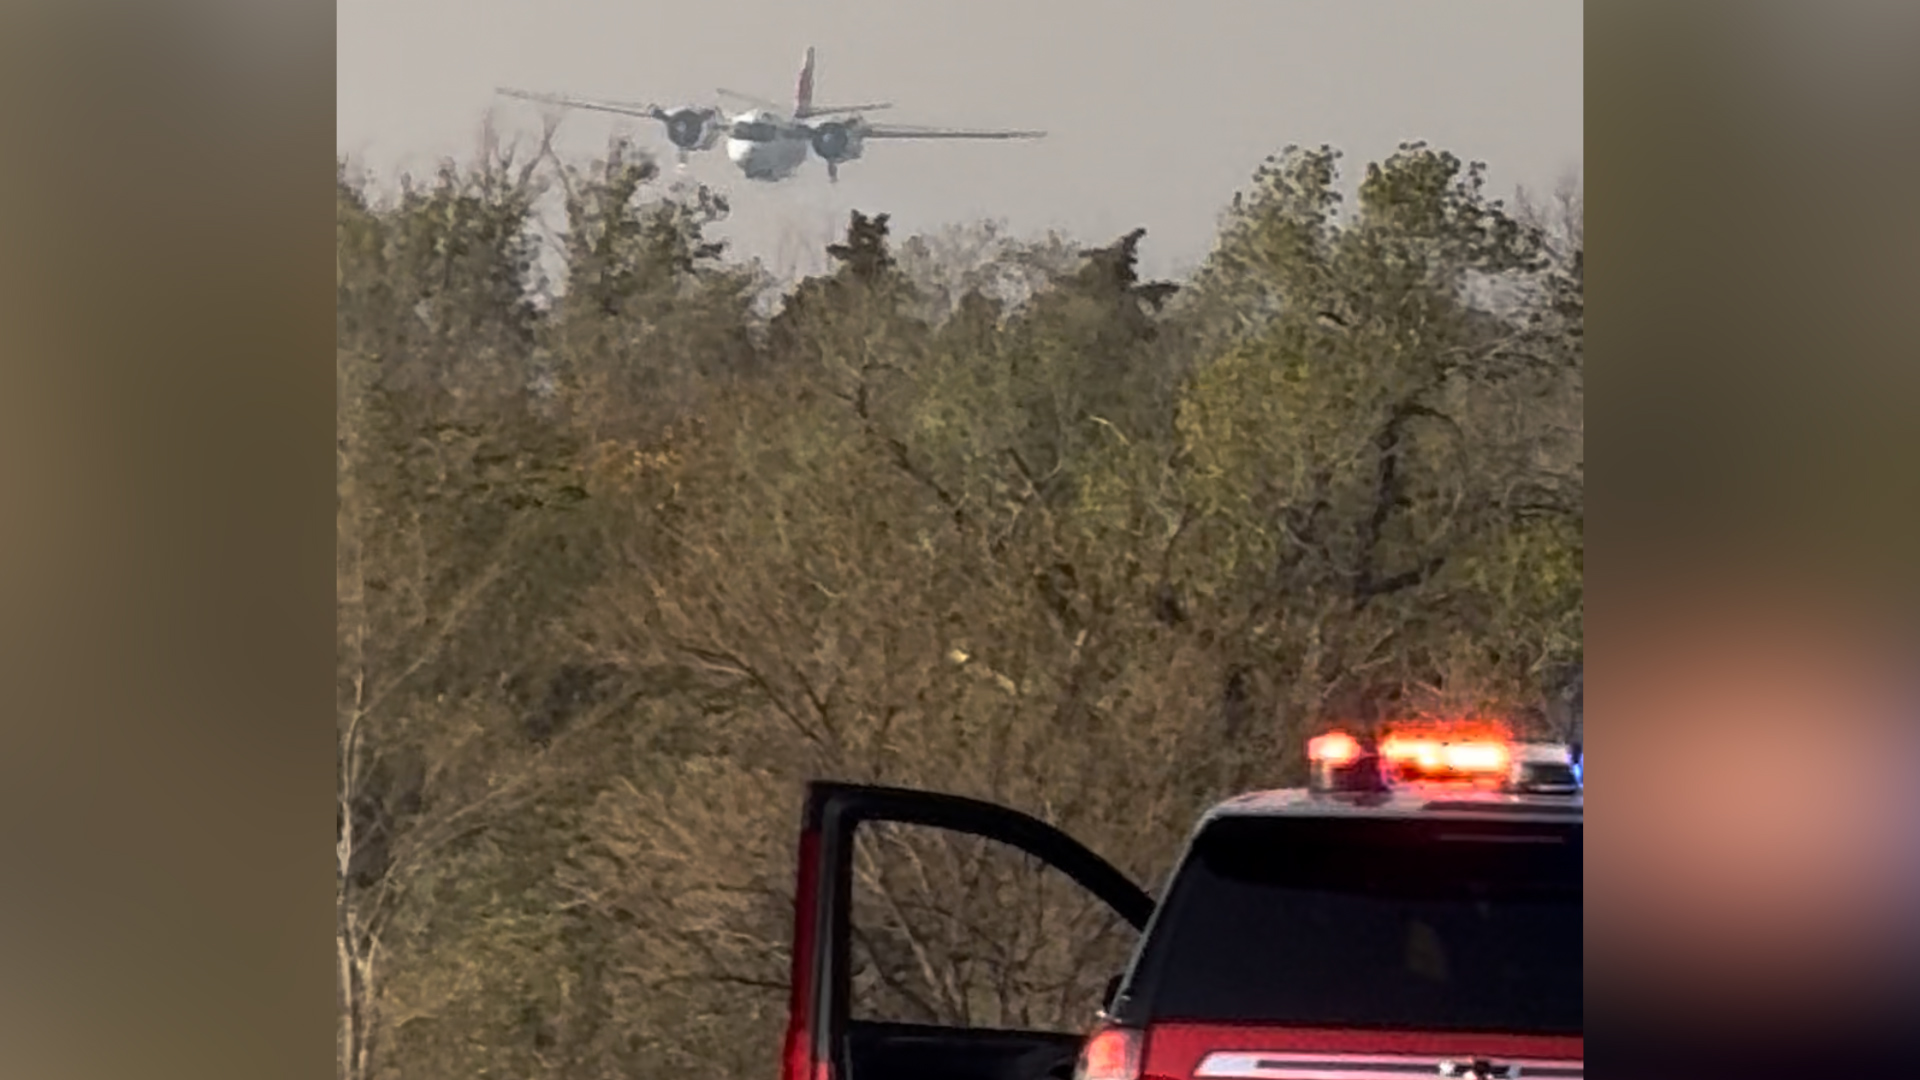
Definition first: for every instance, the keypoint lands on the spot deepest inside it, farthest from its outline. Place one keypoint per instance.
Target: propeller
(689, 128)
(831, 141)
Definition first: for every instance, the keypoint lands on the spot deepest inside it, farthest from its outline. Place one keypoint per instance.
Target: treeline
(620, 569)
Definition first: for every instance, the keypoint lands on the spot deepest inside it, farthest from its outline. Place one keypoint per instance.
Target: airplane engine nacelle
(837, 142)
(692, 129)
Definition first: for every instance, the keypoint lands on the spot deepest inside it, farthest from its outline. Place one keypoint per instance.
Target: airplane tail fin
(803, 92)
(803, 103)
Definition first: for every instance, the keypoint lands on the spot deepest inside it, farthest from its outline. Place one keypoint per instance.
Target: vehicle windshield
(1404, 924)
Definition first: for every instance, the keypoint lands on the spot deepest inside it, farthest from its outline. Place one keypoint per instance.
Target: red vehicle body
(1361, 929)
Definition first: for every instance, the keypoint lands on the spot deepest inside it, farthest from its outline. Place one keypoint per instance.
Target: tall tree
(1363, 456)
(653, 314)
(457, 495)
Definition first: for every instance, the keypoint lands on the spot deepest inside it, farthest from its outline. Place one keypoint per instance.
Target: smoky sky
(1155, 112)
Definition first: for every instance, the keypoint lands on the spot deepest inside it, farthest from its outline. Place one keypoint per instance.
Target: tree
(1378, 464)
(653, 315)
(841, 624)
(619, 572)
(855, 602)
(854, 321)
(982, 260)
(455, 503)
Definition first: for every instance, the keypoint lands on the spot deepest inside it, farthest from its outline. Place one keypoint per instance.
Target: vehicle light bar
(1546, 769)
(1479, 755)
(1336, 761)
(1435, 757)
(1457, 752)
(1333, 748)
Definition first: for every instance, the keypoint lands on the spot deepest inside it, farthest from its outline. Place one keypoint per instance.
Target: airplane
(768, 142)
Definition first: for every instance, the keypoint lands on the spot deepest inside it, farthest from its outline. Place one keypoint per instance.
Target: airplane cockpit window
(754, 131)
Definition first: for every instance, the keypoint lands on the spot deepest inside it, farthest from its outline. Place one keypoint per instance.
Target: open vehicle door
(825, 1039)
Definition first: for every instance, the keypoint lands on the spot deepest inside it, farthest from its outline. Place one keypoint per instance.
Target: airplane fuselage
(767, 147)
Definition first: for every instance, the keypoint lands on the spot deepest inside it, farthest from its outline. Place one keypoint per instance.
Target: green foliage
(620, 572)
(854, 322)
(436, 286)
(653, 316)
(1384, 447)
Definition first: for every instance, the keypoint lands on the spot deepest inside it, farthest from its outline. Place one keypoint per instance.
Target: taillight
(1111, 1054)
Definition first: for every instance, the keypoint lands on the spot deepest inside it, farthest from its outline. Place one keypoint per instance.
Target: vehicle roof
(1430, 802)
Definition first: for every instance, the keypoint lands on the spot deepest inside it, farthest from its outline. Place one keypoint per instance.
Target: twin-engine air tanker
(767, 142)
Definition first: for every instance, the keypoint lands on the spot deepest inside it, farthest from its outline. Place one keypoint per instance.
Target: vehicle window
(1370, 923)
(955, 930)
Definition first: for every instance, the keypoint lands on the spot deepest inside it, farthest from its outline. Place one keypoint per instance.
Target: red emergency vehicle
(1414, 911)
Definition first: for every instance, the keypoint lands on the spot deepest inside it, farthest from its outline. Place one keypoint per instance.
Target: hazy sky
(1156, 112)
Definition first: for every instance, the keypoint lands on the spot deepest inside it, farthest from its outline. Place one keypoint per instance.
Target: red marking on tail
(803, 93)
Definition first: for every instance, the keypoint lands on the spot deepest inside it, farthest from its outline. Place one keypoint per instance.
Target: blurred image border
(166, 409)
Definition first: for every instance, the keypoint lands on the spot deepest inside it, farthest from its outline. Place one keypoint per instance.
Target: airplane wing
(903, 131)
(841, 110)
(750, 99)
(808, 113)
(625, 108)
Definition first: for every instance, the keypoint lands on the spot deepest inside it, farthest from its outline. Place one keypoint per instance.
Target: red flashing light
(1112, 1054)
(1406, 750)
(1476, 757)
(1428, 752)
(1333, 748)
(1448, 751)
